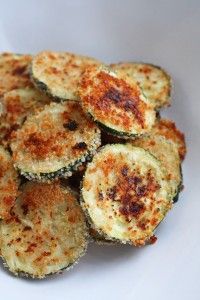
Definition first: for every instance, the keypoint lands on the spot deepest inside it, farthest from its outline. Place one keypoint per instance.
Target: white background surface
(161, 32)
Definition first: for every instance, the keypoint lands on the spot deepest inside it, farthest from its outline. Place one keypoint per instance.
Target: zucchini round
(46, 232)
(54, 142)
(58, 73)
(167, 153)
(14, 72)
(9, 182)
(125, 193)
(168, 129)
(16, 106)
(154, 81)
(115, 102)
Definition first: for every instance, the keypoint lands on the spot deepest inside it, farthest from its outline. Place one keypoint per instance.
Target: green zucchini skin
(61, 173)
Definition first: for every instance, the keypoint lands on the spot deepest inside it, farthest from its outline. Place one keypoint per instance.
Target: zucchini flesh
(46, 233)
(125, 194)
(154, 81)
(16, 106)
(168, 129)
(54, 142)
(115, 102)
(58, 73)
(8, 183)
(14, 72)
(168, 155)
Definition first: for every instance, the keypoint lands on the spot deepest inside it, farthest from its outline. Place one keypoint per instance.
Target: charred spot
(113, 95)
(132, 209)
(135, 208)
(19, 70)
(124, 171)
(18, 240)
(134, 180)
(80, 146)
(112, 192)
(141, 191)
(27, 228)
(72, 125)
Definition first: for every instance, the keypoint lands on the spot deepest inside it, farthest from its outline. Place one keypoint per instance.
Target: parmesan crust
(168, 155)
(116, 102)
(14, 72)
(154, 81)
(58, 73)
(125, 193)
(55, 141)
(46, 233)
(8, 183)
(17, 105)
(168, 129)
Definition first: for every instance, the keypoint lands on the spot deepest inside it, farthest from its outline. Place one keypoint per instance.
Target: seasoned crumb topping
(168, 129)
(14, 72)
(47, 230)
(8, 184)
(115, 101)
(44, 144)
(125, 193)
(154, 81)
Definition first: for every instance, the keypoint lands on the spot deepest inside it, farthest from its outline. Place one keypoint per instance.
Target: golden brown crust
(55, 137)
(154, 81)
(168, 129)
(47, 230)
(8, 184)
(59, 73)
(125, 194)
(17, 105)
(14, 72)
(114, 100)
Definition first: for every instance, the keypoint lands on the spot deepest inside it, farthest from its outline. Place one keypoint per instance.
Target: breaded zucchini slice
(9, 182)
(167, 153)
(58, 73)
(16, 106)
(154, 81)
(125, 193)
(115, 102)
(14, 72)
(54, 142)
(168, 129)
(46, 232)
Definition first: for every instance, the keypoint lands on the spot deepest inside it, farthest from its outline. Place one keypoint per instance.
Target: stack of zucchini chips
(84, 156)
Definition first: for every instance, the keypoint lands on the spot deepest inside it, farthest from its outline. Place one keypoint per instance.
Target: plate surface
(160, 32)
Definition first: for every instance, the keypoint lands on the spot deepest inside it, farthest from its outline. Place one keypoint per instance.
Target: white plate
(166, 33)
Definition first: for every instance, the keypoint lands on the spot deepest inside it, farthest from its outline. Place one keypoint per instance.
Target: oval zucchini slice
(168, 129)
(16, 106)
(9, 182)
(115, 102)
(154, 81)
(125, 193)
(46, 233)
(55, 142)
(167, 153)
(58, 73)
(14, 72)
